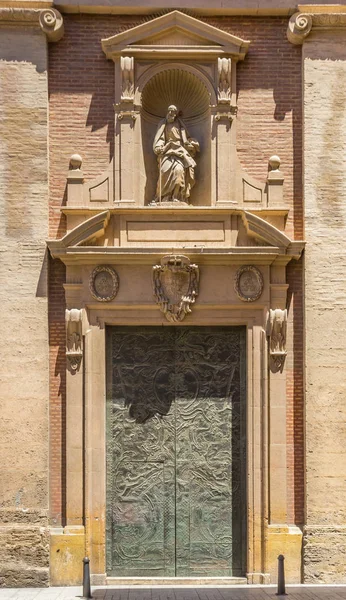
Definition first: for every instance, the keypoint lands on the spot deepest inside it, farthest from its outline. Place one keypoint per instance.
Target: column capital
(314, 16)
(49, 19)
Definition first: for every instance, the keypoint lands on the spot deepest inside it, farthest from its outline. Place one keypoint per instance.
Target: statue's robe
(176, 165)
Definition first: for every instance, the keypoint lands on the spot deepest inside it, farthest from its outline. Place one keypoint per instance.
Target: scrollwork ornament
(299, 27)
(52, 24)
(104, 283)
(248, 283)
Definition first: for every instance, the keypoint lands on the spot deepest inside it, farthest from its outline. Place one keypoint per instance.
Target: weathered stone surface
(325, 217)
(324, 552)
(24, 556)
(23, 373)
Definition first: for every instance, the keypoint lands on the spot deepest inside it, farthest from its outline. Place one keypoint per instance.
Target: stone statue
(175, 150)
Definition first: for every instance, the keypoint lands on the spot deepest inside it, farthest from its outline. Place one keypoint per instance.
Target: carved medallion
(248, 283)
(175, 286)
(104, 283)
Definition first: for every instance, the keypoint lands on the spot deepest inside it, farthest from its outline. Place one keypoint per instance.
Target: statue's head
(172, 112)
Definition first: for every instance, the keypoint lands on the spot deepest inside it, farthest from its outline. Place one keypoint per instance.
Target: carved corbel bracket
(175, 286)
(276, 331)
(224, 91)
(127, 78)
(299, 27)
(74, 350)
(129, 114)
(52, 24)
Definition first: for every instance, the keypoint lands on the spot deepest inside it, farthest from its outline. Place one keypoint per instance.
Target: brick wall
(81, 84)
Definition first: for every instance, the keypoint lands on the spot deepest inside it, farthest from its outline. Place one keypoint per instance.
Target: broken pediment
(131, 235)
(173, 31)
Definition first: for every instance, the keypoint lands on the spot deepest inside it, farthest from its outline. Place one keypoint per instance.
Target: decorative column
(95, 450)
(223, 126)
(74, 422)
(282, 538)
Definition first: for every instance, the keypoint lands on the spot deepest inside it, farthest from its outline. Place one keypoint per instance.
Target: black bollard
(281, 576)
(86, 579)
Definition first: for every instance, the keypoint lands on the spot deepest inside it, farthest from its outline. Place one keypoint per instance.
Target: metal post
(86, 579)
(281, 576)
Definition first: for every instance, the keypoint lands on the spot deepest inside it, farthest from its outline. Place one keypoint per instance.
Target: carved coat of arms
(175, 286)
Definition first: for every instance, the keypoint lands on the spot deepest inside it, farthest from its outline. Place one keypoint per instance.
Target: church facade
(172, 281)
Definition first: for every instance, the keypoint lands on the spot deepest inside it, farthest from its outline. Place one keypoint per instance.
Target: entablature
(216, 235)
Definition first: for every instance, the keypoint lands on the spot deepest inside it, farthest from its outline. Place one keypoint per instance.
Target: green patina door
(176, 451)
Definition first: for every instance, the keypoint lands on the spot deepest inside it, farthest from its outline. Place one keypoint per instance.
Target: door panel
(175, 451)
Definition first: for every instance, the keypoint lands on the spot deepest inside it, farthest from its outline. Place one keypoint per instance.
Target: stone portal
(176, 497)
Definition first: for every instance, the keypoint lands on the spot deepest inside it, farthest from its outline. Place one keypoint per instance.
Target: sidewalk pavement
(302, 592)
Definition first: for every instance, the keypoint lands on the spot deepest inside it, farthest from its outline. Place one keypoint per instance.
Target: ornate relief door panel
(175, 454)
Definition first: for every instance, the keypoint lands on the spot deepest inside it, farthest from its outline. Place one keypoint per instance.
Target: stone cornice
(49, 19)
(195, 7)
(301, 23)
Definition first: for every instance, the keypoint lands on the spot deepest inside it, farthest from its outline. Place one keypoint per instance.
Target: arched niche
(192, 93)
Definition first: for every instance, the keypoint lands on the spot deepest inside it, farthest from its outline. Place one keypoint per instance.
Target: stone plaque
(104, 283)
(248, 283)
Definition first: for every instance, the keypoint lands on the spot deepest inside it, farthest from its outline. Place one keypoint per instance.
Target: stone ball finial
(75, 162)
(299, 27)
(274, 163)
(52, 24)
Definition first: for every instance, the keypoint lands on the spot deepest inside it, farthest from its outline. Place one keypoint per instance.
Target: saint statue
(175, 151)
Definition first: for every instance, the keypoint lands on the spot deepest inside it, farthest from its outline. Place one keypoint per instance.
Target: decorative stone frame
(268, 532)
(175, 41)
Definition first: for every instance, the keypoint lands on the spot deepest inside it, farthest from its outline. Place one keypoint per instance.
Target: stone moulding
(49, 19)
(130, 42)
(74, 351)
(175, 286)
(78, 246)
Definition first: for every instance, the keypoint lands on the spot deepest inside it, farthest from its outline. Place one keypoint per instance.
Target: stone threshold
(190, 581)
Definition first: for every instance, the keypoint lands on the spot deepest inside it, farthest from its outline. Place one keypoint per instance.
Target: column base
(286, 540)
(67, 550)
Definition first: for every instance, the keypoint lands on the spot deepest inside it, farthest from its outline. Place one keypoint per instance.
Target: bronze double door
(176, 491)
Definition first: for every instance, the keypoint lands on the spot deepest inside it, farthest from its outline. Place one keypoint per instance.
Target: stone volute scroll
(52, 24)
(299, 27)
(175, 286)
(74, 350)
(277, 331)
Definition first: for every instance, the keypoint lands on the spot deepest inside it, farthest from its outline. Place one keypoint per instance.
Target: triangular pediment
(172, 30)
(175, 37)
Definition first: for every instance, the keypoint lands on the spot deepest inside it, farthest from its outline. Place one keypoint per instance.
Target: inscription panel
(176, 451)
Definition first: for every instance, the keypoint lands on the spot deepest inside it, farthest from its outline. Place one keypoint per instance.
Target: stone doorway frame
(256, 416)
